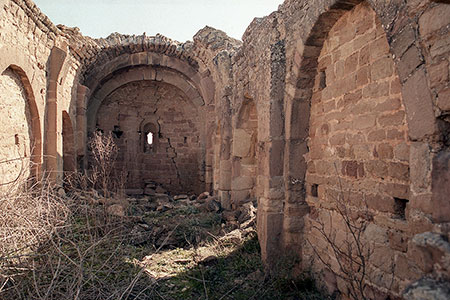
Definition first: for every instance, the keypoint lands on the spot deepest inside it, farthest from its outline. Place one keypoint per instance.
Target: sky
(176, 19)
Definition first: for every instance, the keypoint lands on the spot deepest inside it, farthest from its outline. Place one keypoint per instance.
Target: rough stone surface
(429, 289)
(322, 100)
(15, 132)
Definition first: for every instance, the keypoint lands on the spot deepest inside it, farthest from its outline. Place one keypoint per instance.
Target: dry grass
(58, 244)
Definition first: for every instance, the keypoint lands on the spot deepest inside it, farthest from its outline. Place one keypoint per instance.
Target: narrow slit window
(150, 138)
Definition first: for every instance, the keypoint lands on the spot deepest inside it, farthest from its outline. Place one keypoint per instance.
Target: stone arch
(203, 83)
(137, 74)
(69, 163)
(306, 103)
(244, 154)
(33, 121)
(137, 107)
(412, 62)
(166, 61)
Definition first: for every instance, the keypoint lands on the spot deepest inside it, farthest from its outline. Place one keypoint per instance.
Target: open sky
(176, 19)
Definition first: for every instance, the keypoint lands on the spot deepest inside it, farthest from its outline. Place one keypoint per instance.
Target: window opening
(150, 138)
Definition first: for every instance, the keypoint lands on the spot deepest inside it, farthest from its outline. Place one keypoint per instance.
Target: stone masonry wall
(176, 160)
(358, 145)
(15, 128)
(349, 100)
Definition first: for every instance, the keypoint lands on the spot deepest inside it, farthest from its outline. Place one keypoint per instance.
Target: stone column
(55, 63)
(81, 127)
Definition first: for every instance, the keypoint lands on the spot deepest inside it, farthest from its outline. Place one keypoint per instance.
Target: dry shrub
(57, 244)
(103, 174)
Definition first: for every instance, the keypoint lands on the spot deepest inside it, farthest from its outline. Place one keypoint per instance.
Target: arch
(203, 83)
(69, 164)
(176, 159)
(138, 74)
(311, 86)
(35, 123)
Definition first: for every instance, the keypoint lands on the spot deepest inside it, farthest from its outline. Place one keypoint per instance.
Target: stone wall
(368, 134)
(175, 160)
(15, 134)
(26, 41)
(323, 100)
(358, 147)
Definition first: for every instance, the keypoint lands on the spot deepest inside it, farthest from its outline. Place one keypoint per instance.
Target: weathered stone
(310, 99)
(241, 143)
(418, 105)
(116, 210)
(180, 197)
(427, 288)
(434, 19)
(440, 177)
(242, 183)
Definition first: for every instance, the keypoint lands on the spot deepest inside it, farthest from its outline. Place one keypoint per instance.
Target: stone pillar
(55, 63)
(81, 128)
(270, 205)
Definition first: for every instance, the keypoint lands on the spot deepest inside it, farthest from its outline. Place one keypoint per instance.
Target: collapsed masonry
(322, 102)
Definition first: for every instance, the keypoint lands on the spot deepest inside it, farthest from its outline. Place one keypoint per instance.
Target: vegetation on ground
(69, 243)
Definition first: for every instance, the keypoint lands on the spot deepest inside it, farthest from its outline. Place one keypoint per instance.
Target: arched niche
(26, 136)
(146, 73)
(347, 132)
(176, 158)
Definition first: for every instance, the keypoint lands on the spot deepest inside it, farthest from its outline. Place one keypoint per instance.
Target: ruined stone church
(321, 101)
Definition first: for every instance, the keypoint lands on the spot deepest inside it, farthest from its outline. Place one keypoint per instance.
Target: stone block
(399, 171)
(377, 135)
(364, 122)
(381, 68)
(443, 101)
(241, 143)
(406, 268)
(391, 104)
(420, 167)
(409, 62)
(438, 73)
(384, 151)
(398, 240)
(381, 203)
(270, 226)
(276, 154)
(434, 19)
(441, 187)
(242, 183)
(396, 190)
(403, 40)
(418, 104)
(395, 119)
(351, 63)
(395, 134)
(376, 234)
(353, 169)
(401, 152)
(239, 197)
(225, 199)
